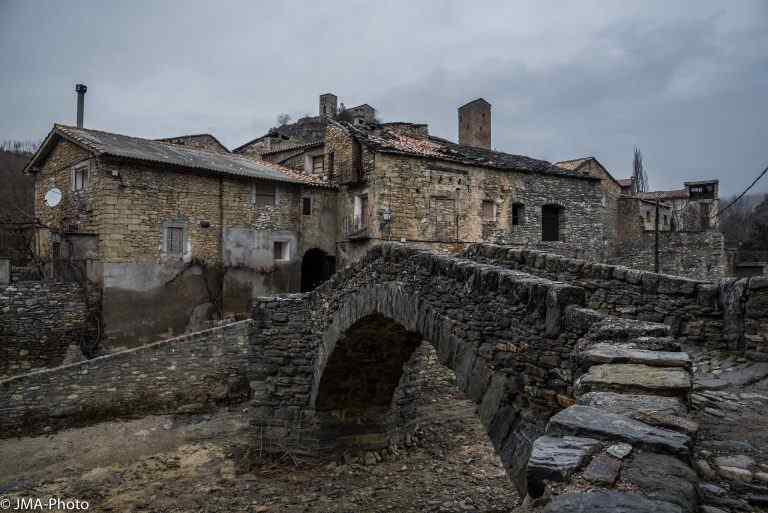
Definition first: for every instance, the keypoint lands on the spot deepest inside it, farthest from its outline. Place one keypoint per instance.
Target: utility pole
(656, 240)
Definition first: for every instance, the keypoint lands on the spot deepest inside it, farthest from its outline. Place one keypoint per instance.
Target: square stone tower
(475, 124)
(328, 105)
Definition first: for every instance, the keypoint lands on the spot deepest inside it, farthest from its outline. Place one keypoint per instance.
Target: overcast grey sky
(684, 81)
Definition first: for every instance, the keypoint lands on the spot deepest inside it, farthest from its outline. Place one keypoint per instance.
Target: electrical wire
(743, 193)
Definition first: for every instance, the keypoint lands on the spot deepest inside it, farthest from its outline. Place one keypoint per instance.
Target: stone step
(628, 404)
(625, 353)
(589, 422)
(603, 501)
(635, 378)
(556, 458)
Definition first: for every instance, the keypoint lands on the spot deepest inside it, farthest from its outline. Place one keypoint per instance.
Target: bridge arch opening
(356, 390)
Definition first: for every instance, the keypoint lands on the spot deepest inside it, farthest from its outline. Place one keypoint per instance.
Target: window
(306, 206)
(489, 211)
(55, 250)
(518, 210)
(551, 222)
(704, 212)
(331, 157)
(80, 178)
(174, 240)
(263, 194)
(280, 251)
(318, 164)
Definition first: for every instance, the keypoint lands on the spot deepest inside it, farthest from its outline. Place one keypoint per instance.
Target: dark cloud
(685, 82)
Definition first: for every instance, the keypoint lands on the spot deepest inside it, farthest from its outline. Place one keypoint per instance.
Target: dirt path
(197, 464)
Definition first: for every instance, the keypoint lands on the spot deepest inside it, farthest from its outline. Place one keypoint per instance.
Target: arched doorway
(316, 267)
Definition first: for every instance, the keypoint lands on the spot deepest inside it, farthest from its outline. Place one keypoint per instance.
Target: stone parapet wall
(729, 314)
(185, 374)
(39, 321)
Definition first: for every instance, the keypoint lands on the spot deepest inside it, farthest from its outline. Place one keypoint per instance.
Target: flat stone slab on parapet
(737, 378)
(556, 458)
(596, 423)
(602, 501)
(627, 404)
(629, 377)
(664, 478)
(621, 353)
(618, 328)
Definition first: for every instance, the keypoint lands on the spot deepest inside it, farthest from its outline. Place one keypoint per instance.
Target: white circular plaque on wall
(53, 197)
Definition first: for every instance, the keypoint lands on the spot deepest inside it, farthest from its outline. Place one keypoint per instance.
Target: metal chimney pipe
(81, 89)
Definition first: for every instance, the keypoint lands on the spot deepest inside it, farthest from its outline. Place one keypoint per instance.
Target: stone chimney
(80, 89)
(328, 105)
(475, 124)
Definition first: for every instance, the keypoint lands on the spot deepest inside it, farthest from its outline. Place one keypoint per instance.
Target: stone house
(172, 233)
(396, 182)
(180, 230)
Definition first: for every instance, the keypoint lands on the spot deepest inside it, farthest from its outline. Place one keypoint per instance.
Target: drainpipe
(221, 243)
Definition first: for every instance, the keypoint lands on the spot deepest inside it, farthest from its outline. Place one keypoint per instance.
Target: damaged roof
(386, 140)
(669, 195)
(309, 129)
(159, 152)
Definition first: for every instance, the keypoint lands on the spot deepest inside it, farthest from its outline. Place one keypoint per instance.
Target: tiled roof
(191, 137)
(385, 140)
(147, 150)
(573, 165)
(294, 147)
(305, 130)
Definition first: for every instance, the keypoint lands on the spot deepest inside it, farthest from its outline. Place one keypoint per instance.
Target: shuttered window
(263, 194)
(174, 240)
(489, 211)
(317, 164)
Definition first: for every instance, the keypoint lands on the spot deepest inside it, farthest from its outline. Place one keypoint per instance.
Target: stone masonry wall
(82, 207)
(700, 312)
(39, 321)
(186, 374)
(697, 255)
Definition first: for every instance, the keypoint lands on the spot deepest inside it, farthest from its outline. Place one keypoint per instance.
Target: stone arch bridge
(556, 384)
(523, 348)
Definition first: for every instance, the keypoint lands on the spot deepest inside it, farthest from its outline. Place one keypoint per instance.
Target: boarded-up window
(317, 164)
(263, 194)
(518, 211)
(489, 211)
(443, 218)
(174, 240)
(306, 206)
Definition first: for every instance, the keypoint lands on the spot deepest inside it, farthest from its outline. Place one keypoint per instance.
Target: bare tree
(639, 178)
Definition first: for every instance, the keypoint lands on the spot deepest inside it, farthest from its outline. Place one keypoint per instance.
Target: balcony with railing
(355, 227)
